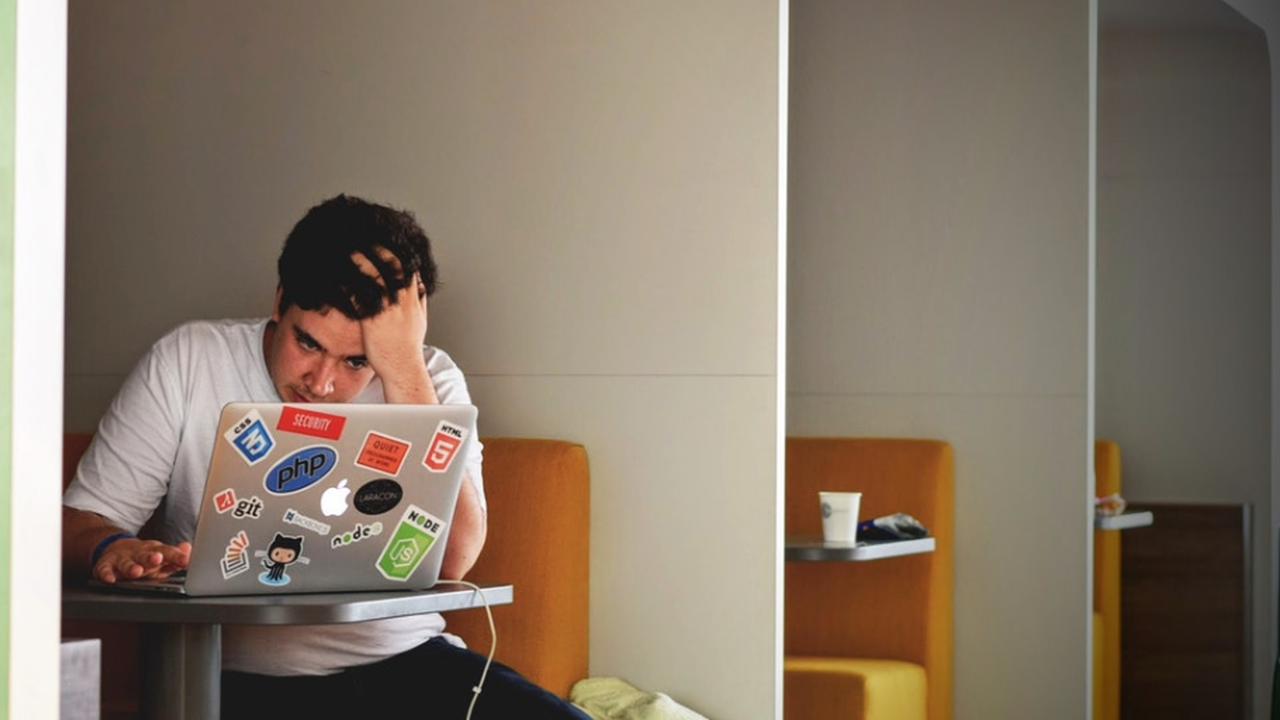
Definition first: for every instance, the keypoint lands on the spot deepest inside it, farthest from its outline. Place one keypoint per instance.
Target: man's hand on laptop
(131, 558)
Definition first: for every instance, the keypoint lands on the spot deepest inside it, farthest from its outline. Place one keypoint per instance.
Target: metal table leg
(181, 671)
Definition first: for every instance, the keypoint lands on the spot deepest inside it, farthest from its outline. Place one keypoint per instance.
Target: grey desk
(182, 637)
(801, 547)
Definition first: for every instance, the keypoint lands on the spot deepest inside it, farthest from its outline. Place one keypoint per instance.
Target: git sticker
(250, 438)
(444, 446)
(383, 453)
(413, 537)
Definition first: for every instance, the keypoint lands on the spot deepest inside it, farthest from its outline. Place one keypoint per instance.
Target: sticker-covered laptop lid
(329, 497)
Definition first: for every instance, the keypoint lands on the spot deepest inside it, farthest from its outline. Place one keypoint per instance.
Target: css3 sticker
(250, 438)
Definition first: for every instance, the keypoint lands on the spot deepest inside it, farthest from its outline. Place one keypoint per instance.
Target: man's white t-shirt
(151, 454)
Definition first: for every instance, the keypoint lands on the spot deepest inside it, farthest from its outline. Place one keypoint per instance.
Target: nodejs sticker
(311, 422)
(383, 453)
(409, 543)
(378, 496)
(250, 437)
(444, 446)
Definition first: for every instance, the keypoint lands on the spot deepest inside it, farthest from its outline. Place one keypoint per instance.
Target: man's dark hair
(316, 269)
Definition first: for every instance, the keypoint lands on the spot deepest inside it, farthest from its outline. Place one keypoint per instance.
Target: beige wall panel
(1021, 533)
(684, 559)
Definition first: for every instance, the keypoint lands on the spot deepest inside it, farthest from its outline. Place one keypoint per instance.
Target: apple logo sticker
(334, 500)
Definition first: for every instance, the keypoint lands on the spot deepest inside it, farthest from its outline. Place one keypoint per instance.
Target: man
(348, 324)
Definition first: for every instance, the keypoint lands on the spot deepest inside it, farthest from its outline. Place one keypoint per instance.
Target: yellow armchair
(870, 640)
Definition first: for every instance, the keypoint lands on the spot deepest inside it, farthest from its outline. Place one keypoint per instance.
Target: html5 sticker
(310, 422)
(250, 437)
(383, 453)
(444, 446)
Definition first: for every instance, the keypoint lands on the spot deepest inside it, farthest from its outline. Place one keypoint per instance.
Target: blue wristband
(102, 545)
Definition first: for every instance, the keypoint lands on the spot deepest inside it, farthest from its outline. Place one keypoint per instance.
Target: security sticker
(235, 559)
(383, 453)
(284, 551)
(311, 422)
(250, 438)
(409, 543)
(444, 446)
(294, 517)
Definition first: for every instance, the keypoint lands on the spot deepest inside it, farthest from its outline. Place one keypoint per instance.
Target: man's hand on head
(129, 558)
(393, 338)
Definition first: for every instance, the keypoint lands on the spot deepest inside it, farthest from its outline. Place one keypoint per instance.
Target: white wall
(601, 181)
(1184, 280)
(938, 282)
(32, 311)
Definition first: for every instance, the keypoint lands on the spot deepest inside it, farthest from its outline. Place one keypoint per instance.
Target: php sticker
(235, 559)
(300, 470)
(383, 453)
(250, 438)
(444, 446)
(310, 422)
(413, 537)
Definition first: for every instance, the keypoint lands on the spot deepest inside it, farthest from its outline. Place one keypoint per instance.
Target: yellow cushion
(832, 688)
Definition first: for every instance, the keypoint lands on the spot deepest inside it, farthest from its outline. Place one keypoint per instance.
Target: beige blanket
(613, 699)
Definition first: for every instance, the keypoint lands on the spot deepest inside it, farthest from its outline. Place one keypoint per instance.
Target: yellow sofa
(539, 523)
(870, 640)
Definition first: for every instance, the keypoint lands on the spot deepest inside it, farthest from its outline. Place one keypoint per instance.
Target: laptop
(325, 498)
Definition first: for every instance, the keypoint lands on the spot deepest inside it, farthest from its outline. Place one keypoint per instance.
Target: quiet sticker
(310, 422)
(383, 453)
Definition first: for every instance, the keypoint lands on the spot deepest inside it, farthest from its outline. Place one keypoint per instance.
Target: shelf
(814, 549)
(1123, 521)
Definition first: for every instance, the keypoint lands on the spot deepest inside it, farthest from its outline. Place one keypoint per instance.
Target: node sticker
(444, 446)
(383, 453)
(250, 438)
(409, 543)
(310, 422)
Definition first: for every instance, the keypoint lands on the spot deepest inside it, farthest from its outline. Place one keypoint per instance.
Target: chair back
(897, 608)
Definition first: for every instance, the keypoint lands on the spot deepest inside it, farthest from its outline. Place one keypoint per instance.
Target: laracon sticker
(310, 422)
(383, 453)
(413, 537)
(250, 438)
(378, 496)
(300, 470)
(235, 559)
(444, 446)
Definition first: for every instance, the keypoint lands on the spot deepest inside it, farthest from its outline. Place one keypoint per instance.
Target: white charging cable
(493, 640)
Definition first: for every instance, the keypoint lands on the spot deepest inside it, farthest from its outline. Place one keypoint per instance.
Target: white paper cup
(840, 516)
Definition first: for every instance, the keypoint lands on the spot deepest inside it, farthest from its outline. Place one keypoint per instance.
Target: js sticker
(413, 537)
(250, 437)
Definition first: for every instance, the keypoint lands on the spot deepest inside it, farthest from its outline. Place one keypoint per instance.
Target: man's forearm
(81, 532)
(466, 534)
